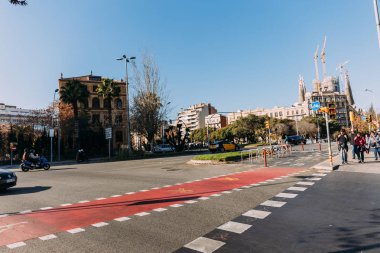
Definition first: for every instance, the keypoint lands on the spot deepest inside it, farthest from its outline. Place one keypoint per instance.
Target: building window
(287, 113)
(280, 113)
(119, 136)
(276, 114)
(118, 103)
(119, 119)
(302, 111)
(95, 103)
(292, 112)
(96, 119)
(94, 88)
(106, 104)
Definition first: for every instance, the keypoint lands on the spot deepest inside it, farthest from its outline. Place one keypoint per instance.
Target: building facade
(97, 107)
(216, 121)
(194, 116)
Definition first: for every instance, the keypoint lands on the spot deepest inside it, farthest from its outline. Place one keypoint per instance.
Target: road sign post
(108, 134)
(315, 105)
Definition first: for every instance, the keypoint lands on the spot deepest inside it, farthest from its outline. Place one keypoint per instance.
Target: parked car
(162, 148)
(222, 146)
(7, 179)
(296, 139)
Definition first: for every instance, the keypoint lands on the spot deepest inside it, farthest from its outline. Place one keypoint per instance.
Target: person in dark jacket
(343, 145)
(360, 147)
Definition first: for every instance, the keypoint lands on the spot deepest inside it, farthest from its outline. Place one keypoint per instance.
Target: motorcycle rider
(34, 158)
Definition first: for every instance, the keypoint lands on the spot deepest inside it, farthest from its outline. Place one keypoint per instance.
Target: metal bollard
(302, 147)
(320, 147)
(265, 158)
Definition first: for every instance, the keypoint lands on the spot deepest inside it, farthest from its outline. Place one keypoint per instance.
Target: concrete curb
(325, 165)
(208, 162)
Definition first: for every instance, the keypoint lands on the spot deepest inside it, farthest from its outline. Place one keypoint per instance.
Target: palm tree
(18, 2)
(108, 90)
(73, 93)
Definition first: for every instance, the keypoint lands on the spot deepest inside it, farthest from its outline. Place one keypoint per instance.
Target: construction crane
(318, 88)
(340, 69)
(323, 58)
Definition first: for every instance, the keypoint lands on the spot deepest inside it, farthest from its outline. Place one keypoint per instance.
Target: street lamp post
(52, 127)
(127, 59)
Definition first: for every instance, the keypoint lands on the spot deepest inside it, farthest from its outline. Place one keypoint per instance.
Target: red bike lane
(21, 227)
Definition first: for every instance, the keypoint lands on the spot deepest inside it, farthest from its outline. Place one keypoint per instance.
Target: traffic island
(218, 158)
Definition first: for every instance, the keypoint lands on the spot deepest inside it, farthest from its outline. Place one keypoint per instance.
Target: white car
(162, 148)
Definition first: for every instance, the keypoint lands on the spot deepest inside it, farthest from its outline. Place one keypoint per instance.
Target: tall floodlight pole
(127, 59)
(377, 19)
(52, 127)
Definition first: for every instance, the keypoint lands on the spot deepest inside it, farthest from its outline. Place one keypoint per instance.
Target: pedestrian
(367, 147)
(374, 144)
(360, 147)
(352, 144)
(342, 145)
(25, 155)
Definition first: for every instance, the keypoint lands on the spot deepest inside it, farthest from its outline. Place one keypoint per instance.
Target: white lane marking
(191, 201)
(216, 195)
(237, 189)
(319, 174)
(286, 195)
(122, 219)
(160, 209)
(206, 178)
(227, 192)
(16, 245)
(246, 186)
(301, 189)
(143, 190)
(10, 226)
(305, 183)
(25, 211)
(142, 214)
(155, 188)
(255, 184)
(3, 215)
(75, 230)
(115, 196)
(46, 208)
(277, 178)
(176, 205)
(47, 237)
(313, 178)
(273, 203)
(66, 204)
(129, 193)
(166, 186)
(204, 198)
(83, 201)
(234, 227)
(197, 180)
(204, 245)
(257, 214)
(178, 183)
(100, 224)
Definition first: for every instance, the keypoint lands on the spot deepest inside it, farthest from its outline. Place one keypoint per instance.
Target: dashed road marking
(234, 227)
(75, 230)
(129, 193)
(100, 224)
(191, 201)
(257, 214)
(142, 214)
(47, 237)
(204, 198)
(16, 245)
(176, 205)
(301, 189)
(273, 203)
(46, 208)
(66, 204)
(115, 196)
(204, 245)
(3, 215)
(160, 209)
(226, 192)
(83, 201)
(25, 211)
(286, 195)
(122, 219)
(216, 195)
(143, 190)
(305, 183)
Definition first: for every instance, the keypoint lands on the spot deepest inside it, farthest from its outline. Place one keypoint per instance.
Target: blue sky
(234, 54)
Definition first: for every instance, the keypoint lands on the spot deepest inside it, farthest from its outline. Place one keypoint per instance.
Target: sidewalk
(370, 165)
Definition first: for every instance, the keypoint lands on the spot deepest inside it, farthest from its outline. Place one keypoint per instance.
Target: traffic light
(352, 116)
(267, 124)
(324, 109)
(332, 110)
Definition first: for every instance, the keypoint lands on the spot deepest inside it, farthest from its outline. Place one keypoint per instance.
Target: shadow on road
(156, 201)
(24, 190)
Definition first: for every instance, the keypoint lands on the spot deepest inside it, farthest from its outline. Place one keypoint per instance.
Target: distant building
(97, 107)
(10, 114)
(194, 116)
(216, 121)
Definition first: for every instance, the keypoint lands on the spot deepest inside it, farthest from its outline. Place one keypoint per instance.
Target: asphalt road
(157, 232)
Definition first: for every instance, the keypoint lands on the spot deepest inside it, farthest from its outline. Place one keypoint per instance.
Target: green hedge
(221, 157)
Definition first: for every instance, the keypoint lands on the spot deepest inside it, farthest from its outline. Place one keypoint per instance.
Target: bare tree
(18, 2)
(149, 104)
(306, 128)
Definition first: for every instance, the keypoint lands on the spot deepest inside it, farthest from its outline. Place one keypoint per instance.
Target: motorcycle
(81, 156)
(42, 164)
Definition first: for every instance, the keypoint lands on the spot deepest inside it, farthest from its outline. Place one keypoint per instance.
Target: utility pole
(377, 19)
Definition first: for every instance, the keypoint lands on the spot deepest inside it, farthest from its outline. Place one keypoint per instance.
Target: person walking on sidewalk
(352, 144)
(342, 145)
(360, 147)
(374, 144)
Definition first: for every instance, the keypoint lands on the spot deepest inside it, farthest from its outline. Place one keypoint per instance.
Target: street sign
(315, 105)
(108, 133)
(364, 117)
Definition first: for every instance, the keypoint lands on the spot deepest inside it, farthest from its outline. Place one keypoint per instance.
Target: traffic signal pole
(328, 140)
